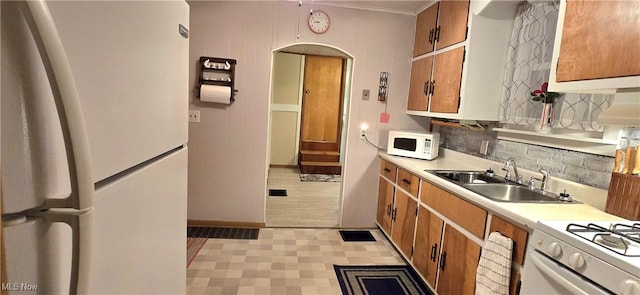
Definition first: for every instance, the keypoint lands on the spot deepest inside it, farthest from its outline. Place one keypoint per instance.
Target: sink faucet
(543, 181)
(511, 162)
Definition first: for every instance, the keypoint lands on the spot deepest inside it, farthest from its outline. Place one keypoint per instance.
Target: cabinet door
(452, 22)
(600, 39)
(446, 79)
(418, 84)
(458, 263)
(425, 30)
(404, 222)
(385, 204)
(427, 247)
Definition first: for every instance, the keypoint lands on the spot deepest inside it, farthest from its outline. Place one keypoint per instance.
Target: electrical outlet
(194, 116)
(363, 132)
(484, 147)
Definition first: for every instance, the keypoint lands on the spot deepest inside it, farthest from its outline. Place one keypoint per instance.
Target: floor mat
(320, 177)
(222, 233)
(357, 236)
(380, 280)
(277, 193)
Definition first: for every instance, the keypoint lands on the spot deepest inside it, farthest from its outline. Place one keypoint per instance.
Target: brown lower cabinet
(385, 204)
(445, 257)
(457, 259)
(403, 222)
(458, 263)
(427, 248)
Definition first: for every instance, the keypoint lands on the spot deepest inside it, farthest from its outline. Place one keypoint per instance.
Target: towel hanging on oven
(494, 269)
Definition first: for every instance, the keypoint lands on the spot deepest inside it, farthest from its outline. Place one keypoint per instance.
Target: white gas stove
(583, 257)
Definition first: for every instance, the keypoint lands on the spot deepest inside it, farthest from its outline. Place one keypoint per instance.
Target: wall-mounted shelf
(582, 141)
(218, 72)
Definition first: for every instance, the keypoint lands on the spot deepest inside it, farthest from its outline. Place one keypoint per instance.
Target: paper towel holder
(217, 71)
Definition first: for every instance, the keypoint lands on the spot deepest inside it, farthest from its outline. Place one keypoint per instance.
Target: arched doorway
(311, 200)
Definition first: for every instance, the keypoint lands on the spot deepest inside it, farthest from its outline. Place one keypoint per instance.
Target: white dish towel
(494, 268)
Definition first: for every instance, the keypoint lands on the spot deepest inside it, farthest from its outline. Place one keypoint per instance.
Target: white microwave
(413, 144)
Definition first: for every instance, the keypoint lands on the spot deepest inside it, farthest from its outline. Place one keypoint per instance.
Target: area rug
(193, 247)
(320, 177)
(222, 233)
(379, 280)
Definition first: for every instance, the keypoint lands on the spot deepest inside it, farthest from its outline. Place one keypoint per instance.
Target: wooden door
(427, 247)
(404, 222)
(385, 204)
(600, 39)
(418, 84)
(446, 79)
(425, 30)
(452, 22)
(458, 263)
(322, 99)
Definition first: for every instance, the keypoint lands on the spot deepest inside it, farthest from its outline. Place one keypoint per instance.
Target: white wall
(285, 108)
(228, 148)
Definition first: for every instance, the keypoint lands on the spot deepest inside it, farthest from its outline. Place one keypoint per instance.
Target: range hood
(624, 111)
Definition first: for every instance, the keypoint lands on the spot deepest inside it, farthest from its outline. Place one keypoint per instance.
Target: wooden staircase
(319, 158)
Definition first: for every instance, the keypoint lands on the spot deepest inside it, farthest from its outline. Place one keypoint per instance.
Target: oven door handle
(554, 276)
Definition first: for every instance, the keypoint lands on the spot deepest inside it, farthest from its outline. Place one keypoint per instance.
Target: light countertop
(526, 214)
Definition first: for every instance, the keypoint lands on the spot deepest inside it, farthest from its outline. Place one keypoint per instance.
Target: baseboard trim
(216, 223)
(282, 166)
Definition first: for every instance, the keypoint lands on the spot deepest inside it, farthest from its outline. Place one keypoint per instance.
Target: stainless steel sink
(469, 177)
(513, 193)
(496, 187)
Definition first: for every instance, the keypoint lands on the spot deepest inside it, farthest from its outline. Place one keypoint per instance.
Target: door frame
(305, 48)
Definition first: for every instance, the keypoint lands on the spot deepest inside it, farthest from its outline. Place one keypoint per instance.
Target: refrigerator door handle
(81, 223)
(67, 102)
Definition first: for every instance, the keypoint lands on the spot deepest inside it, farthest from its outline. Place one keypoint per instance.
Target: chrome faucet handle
(544, 180)
(507, 174)
(532, 183)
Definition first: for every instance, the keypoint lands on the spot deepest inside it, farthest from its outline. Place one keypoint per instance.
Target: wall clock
(319, 22)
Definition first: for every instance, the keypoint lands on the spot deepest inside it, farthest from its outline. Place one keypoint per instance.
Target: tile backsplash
(589, 169)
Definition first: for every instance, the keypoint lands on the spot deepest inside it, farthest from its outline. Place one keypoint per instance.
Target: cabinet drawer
(408, 182)
(518, 235)
(388, 170)
(461, 212)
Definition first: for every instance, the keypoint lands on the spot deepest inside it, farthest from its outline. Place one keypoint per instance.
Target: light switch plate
(194, 116)
(365, 94)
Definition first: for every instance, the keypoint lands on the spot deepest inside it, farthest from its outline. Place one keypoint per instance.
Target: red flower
(544, 86)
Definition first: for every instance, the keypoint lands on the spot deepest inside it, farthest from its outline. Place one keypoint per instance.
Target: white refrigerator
(94, 99)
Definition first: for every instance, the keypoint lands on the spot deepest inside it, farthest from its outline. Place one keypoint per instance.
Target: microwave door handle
(550, 274)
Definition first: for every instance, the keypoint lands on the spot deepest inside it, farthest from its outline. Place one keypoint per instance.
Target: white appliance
(411, 144)
(583, 258)
(94, 156)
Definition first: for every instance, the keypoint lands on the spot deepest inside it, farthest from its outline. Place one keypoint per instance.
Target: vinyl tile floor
(285, 261)
(307, 204)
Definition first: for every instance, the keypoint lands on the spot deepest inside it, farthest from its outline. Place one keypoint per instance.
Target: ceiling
(405, 7)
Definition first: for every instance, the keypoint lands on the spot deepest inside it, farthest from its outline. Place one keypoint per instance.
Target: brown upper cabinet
(600, 39)
(442, 24)
(437, 79)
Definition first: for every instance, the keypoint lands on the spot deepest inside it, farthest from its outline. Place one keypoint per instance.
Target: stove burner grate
(617, 238)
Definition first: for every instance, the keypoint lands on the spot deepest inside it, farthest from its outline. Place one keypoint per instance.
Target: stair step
(312, 167)
(312, 163)
(319, 146)
(319, 152)
(319, 157)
